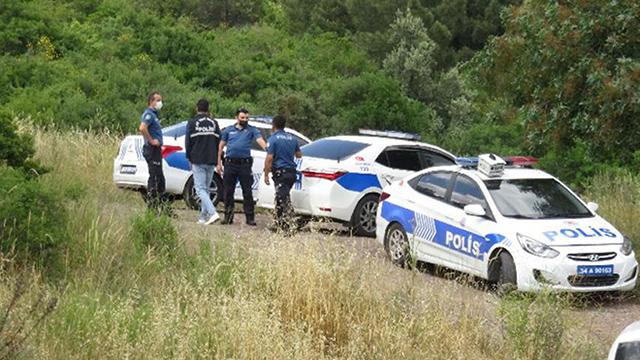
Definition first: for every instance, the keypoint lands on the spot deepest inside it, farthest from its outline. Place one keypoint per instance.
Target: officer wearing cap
(281, 150)
(237, 164)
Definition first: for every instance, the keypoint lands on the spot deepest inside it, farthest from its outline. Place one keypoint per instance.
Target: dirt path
(600, 317)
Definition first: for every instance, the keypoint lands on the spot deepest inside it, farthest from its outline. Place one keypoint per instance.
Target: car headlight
(535, 247)
(626, 248)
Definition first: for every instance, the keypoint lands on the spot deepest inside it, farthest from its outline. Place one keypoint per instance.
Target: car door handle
(411, 201)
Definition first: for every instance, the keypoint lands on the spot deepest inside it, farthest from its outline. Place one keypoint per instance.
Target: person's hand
(266, 178)
(219, 168)
(154, 142)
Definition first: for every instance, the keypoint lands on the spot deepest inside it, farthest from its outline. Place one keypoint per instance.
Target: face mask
(159, 105)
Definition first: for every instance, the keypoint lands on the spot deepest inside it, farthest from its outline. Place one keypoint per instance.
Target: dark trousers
(156, 182)
(232, 173)
(283, 180)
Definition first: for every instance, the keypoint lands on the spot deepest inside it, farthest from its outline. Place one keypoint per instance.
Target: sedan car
(130, 168)
(511, 225)
(341, 177)
(627, 345)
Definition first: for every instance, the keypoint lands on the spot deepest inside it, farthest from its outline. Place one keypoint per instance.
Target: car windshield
(175, 130)
(332, 149)
(535, 199)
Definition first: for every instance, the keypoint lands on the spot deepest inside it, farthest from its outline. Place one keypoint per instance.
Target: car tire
(191, 198)
(507, 276)
(363, 220)
(396, 244)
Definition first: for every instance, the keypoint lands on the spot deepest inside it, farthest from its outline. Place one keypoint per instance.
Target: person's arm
(144, 129)
(268, 162)
(221, 146)
(298, 152)
(187, 140)
(262, 143)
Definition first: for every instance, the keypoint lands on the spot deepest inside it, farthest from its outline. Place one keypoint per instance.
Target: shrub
(32, 219)
(155, 232)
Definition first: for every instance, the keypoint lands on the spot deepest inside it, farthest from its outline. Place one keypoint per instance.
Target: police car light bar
(390, 134)
(467, 162)
(524, 161)
(262, 118)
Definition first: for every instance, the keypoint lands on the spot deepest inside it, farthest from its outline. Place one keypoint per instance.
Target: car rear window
(176, 130)
(332, 149)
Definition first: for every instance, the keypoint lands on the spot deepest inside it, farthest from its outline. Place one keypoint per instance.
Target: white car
(627, 345)
(510, 225)
(341, 177)
(130, 169)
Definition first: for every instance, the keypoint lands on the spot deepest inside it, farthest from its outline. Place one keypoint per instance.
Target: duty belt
(238, 161)
(280, 171)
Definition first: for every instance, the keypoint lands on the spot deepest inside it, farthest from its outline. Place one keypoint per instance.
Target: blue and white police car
(510, 225)
(130, 169)
(341, 177)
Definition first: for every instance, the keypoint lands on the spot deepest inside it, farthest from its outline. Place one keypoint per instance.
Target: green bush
(155, 232)
(32, 219)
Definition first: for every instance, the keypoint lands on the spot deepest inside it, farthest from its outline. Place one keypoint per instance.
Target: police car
(627, 344)
(341, 177)
(510, 225)
(130, 168)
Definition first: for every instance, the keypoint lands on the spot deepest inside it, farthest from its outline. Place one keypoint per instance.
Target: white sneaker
(201, 221)
(215, 217)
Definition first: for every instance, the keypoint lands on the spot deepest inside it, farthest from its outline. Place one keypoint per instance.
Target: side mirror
(474, 210)
(592, 206)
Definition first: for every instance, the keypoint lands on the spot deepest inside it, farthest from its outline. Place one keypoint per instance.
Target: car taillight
(384, 196)
(169, 149)
(323, 175)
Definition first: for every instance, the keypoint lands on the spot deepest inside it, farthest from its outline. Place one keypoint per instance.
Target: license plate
(128, 170)
(595, 270)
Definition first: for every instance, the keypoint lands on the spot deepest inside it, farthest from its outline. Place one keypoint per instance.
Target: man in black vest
(201, 141)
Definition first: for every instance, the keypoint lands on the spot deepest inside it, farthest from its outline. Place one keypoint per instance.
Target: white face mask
(159, 105)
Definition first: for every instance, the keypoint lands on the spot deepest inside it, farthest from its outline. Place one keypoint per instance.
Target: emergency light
(491, 165)
(390, 134)
(262, 118)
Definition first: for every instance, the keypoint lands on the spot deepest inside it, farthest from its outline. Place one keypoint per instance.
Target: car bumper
(325, 198)
(561, 273)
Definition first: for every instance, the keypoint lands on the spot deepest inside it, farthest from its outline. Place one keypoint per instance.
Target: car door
(432, 158)
(396, 163)
(434, 220)
(480, 233)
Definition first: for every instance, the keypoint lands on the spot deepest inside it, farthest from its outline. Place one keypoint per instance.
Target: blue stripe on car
(431, 230)
(358, 182)
(178, 160)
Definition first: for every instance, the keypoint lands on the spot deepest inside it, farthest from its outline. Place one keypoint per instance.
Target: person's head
(154, 100)
(202, 106)
(242, 116)
(279, 122)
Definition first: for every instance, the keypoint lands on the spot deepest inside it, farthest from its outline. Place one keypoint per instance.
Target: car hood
(565, 232)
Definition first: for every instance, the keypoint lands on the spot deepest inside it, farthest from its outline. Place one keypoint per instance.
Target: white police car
(130, 169)
(341, 177)
(510, 225)
(627, 344)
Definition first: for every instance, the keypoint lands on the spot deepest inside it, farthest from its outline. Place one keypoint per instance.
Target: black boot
(251, 220)
(228, 218)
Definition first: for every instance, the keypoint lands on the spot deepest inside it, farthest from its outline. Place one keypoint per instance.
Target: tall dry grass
(227, 296)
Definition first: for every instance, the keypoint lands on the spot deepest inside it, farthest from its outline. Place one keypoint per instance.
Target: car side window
(431, 158)
(433, 184)
(265, 135)
(465, 192)
(402, 159)
(301, 142)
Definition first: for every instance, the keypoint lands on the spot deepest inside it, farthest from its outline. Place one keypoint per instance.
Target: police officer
(282, 147)
(201, 146)
(237, 164)
(152, 150)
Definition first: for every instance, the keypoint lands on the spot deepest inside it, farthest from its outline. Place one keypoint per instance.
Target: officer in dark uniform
(152, 150)
(237, 164)
(281, 150)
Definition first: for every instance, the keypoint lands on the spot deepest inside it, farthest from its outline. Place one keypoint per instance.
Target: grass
(225, 295)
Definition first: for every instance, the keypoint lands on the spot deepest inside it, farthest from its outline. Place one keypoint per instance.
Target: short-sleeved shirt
(239, 141)
(283, 147)
(150, 117)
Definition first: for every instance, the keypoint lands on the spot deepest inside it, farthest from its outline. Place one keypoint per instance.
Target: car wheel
(363, 220)
(191, 198)
(507, 276)
(396, 244)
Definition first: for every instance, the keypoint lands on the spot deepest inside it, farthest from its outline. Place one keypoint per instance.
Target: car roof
(386, 141)
(228, 122)
(630, 333)
(509, 173)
